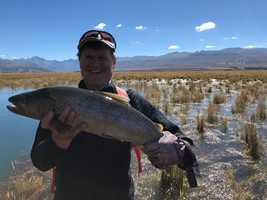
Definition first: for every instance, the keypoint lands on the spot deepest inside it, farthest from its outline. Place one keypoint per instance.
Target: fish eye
(23, 100)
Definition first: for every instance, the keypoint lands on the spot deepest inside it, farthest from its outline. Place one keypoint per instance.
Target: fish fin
(109, 137)
(60, 126)
(159, 126)
(120, 98)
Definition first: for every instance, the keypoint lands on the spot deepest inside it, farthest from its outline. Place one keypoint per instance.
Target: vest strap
(52, 188)
(136, 149)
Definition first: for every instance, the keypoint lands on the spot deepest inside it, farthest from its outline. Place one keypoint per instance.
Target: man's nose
(95, 61)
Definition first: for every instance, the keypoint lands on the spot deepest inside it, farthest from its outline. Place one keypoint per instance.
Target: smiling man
(97, 60)
(96, 168)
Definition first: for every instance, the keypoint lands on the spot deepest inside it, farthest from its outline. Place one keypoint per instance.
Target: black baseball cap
(99, 36)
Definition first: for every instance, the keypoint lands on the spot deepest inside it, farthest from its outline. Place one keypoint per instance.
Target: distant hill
(225, 59)
(231, 58)
(37, 64)
(18, 66)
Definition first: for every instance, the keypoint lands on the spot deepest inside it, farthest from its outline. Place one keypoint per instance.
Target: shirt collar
(108, 88)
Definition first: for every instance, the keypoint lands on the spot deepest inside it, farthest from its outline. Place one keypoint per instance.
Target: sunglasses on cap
(101, 36)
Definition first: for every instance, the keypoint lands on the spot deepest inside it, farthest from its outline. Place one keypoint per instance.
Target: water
(217, 152)
(16, 133)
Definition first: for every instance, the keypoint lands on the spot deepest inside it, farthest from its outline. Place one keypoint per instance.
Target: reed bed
(231, 76)
(37, 80)
(30, 185)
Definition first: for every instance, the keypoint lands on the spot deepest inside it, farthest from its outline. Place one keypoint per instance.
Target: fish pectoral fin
(108, 137)
(159, 126)
(61, 127)
(120, 98)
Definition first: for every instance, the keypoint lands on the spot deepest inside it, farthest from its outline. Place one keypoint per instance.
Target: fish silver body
(103, 115)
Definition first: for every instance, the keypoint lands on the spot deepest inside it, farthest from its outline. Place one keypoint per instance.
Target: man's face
(97, 66)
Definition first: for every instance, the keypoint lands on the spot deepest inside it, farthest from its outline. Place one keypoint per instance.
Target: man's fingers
(76, 131)
(168, 138)
(64, 114)
(70, 117)
(80, 128)
(45, 123)
(66, 117)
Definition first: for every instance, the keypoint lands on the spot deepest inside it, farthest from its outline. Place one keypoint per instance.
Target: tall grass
(240, 102)
(173, 183)
(254, 146)
(241, 190)
(200, 124)
(218, 99)
(153, 93)
(212, 113)
(224, 124)
(261, 110)
(30, 185)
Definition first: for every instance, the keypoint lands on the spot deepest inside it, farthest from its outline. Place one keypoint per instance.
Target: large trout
(106, 114)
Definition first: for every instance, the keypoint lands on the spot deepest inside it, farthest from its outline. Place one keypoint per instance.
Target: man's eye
(103, 58)
(89, 58)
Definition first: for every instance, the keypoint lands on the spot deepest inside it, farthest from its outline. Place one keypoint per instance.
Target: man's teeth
(95, 71)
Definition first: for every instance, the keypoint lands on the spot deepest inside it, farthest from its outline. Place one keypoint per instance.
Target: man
(92, 167)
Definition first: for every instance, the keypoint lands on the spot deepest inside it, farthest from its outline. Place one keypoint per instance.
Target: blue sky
(51, 29)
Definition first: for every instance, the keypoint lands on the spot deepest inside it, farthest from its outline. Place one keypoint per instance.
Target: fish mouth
(13, 109)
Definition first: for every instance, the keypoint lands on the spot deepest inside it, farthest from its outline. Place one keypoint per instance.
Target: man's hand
(66, 117)
(168, 150)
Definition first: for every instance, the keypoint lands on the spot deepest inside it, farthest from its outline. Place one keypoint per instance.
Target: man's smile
(95, 71)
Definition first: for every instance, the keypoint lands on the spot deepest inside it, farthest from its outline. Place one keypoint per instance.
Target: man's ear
(114, 61)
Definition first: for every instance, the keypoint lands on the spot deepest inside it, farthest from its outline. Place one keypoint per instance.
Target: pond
(16, 133)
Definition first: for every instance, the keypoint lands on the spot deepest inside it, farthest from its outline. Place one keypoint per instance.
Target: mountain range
(225, 59)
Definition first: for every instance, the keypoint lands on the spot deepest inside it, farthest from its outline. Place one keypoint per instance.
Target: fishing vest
(137, 151)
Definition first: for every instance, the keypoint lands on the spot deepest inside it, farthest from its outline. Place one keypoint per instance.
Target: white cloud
(140, 28)
(231, 38)
(201, 40)
(119, 26)
(174, 47)
(100, 26)
(251, 46)
(205, 26)
(135, 42)
(2, 56)
(210, 46)
(157, 29)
